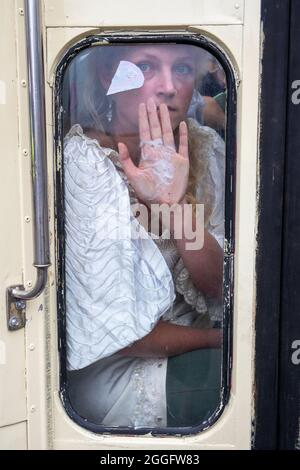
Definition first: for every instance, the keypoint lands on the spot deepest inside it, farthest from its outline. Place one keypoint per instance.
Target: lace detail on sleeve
(184, 285)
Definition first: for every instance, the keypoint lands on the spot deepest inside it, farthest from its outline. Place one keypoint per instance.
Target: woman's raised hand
(162, 173)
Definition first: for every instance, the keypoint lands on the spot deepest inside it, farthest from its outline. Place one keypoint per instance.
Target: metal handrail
(38, 149)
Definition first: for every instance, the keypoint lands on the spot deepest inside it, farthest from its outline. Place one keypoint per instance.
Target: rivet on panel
(31, 347)
(20, 305)
(236, 6)
(21, 11)
(25, 152)
(14, 322)
(27, 219)
(29, 283)
(33, 408)
(23, 83)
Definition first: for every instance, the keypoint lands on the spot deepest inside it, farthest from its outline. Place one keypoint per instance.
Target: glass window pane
(144, 180)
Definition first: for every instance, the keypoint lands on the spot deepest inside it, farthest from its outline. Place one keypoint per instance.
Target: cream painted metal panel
(246, 224)
(242, 45)
(36, 312)
(20, 354)
(12, 350)
(13, 437)
(105, 13)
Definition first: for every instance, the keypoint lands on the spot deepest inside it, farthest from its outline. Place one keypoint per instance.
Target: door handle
(17, 295)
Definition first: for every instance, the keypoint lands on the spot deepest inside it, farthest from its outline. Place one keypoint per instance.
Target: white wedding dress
(119, 286)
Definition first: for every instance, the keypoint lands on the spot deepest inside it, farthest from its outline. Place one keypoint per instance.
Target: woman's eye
(183, 69)
(144, 67)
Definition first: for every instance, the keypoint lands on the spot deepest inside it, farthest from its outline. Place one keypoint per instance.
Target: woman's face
(169, 77)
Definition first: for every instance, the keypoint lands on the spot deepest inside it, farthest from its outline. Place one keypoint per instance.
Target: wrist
(177, 217)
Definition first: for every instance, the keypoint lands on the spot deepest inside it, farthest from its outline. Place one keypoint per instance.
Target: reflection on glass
(144, 166)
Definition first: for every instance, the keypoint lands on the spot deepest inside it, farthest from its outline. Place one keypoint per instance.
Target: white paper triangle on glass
(127, 77)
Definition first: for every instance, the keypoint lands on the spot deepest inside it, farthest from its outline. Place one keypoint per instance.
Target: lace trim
(148, 381)
(184, 285)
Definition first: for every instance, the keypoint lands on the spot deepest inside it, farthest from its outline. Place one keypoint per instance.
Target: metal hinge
(16, 310)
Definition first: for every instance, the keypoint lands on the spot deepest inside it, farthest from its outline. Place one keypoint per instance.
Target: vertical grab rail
(16, 295)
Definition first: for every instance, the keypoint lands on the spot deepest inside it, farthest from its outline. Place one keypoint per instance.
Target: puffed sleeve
(214, 183)
(117, 282)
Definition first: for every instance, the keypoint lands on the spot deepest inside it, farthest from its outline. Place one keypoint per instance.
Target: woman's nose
(166, 83)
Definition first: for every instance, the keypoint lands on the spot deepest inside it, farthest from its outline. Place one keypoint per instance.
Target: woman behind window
(141, 309)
